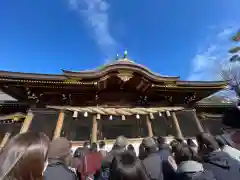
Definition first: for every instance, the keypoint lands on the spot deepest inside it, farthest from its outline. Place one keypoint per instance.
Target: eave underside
(109, 89)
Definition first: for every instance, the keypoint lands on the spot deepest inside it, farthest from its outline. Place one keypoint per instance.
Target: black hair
(79, 152)
(126, 166)
(102, 144)
(86, 143)
(185, 153)
(130, 147)
(94, 147)
(161, 140)
(141, 152)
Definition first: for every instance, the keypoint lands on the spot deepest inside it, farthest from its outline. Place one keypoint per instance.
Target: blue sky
(187, 38)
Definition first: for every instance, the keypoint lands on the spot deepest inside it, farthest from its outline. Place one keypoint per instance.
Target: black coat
(153, 166)
(56, 170)
(222, 166)
(168, 163)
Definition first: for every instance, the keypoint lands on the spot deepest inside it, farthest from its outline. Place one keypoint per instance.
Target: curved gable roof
(122, 64)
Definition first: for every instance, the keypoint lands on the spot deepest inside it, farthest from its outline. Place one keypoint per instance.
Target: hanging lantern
(75, 114)
(168, 113)
(123, 118)
(137, 116)
(110, 117)
(160, 114)
(98, 116)
(86, 114)
(151, 116)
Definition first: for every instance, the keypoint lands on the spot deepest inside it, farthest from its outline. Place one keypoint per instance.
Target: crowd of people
(32, 156)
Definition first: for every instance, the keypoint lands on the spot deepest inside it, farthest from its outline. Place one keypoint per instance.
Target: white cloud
(206, 64)
(226, 32)
(96, 15)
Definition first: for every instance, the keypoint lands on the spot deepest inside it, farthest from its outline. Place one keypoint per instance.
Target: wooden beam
(146, 87)
(140, 85)
(5, 139)
(149, 126)
(177, 126)
(198, 123)
(94, 129)
(59, 125)
(27, 122)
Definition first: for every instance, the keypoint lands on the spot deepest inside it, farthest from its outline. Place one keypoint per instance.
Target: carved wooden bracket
(125, 75)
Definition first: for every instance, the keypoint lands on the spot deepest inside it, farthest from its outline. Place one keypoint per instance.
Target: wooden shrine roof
(121, 75)
(122, 67)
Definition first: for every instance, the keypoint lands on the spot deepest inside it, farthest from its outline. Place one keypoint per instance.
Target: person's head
(184, 153)
(102, 144)
(173, 144)
(24, 157)
(94, 147)
(155, 138)
(86, 144)
(126, 166)
(179, 140)
(206, 143)
(79, 152)
(149, 145)
(131, 148)
(120, 143)
(162, 140)
(60, 149)
(141, 152)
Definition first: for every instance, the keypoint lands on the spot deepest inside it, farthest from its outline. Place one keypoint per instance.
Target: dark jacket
(57, 170)
(168, 163)
(222, 165)
(106, 163)
(192, 170)
(153, 166)
(110, 156)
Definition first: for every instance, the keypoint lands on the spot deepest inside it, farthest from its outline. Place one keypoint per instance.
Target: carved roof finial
(125, 54)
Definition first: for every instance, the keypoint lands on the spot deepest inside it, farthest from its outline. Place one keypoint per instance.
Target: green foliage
(234, 50)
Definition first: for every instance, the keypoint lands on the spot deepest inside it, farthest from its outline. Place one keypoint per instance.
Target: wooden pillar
(177, 127)
(27, 122)
(5, 139)
(149, 126)
(198, 123)
(94, 129)
(59, 125)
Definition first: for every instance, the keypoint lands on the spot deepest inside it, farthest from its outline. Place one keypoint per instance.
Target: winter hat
(59, 148)
(121, 142)
(149, 142)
